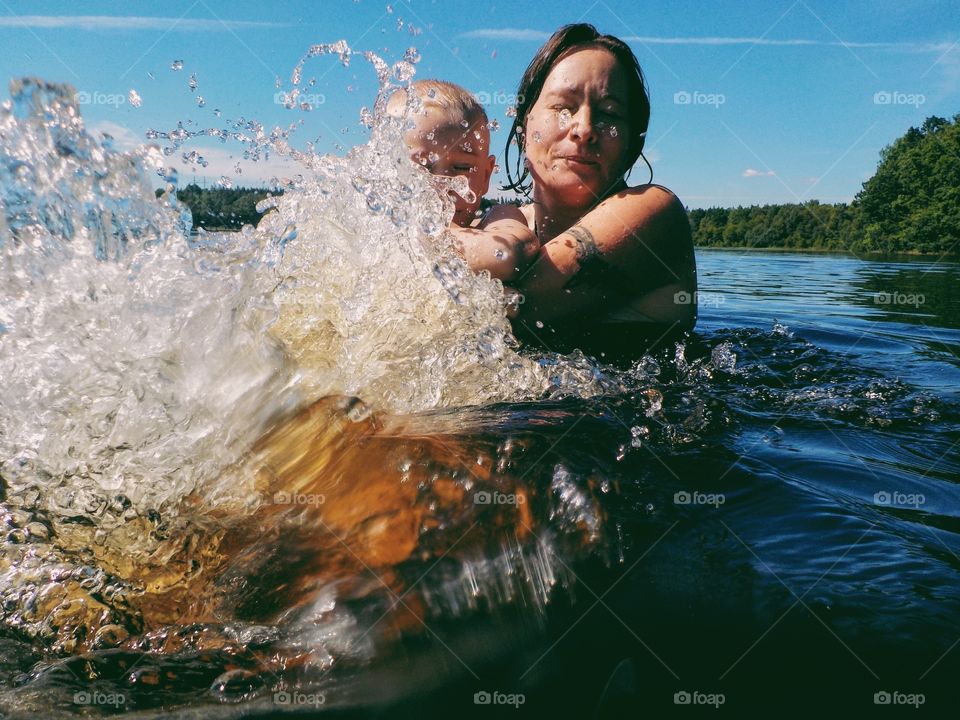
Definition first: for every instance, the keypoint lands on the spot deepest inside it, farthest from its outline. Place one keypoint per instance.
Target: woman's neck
(551, 219)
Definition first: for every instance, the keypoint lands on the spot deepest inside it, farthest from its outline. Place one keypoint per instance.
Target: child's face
(448, 149)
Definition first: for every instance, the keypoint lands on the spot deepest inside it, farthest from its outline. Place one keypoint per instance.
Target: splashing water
(140, 364)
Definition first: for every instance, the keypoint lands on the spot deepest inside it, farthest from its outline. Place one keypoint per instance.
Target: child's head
(451, 138)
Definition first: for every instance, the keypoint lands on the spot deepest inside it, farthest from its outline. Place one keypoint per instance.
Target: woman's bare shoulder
(648, 200)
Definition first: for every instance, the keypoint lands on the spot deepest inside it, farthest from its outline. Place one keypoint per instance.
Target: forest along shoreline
(910, 207)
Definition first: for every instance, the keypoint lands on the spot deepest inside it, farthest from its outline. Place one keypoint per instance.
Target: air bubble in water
(193, 81)
(176, 65)
(200, 101)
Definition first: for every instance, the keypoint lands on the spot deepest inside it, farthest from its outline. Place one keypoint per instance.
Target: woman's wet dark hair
(565, 40)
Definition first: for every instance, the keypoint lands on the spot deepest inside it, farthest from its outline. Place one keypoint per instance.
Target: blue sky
(753, 102)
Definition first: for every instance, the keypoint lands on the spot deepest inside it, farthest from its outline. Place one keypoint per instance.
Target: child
(451, 138)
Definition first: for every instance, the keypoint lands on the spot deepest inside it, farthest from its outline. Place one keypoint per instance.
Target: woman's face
(577, 132)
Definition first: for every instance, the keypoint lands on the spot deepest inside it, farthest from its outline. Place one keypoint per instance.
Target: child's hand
(502, 244)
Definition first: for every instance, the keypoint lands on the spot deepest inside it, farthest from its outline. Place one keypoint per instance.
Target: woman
(615, 266)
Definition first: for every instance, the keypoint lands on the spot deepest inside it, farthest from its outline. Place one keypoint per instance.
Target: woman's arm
(502, 244)
(642, 233)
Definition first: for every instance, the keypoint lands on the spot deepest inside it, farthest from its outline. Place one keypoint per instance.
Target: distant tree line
(910, 205)
(223, 208)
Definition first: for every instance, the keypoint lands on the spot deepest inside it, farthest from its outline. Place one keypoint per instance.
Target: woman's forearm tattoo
(584, 246)
(588, 257)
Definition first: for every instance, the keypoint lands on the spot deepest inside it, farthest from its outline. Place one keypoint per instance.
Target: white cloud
(750, 172)
(112, 22)
(222, 161)
(506, 34)
(124, 139)
(521, 34)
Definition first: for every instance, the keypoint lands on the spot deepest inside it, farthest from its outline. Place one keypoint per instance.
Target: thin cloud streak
(112, 22)
(521, 34)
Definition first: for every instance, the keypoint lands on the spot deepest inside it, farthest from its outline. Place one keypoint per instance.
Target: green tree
(912, 203)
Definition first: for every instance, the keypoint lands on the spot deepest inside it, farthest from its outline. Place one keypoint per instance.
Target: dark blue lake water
(766, 519)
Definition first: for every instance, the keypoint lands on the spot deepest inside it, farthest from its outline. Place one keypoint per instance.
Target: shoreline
(833, 251)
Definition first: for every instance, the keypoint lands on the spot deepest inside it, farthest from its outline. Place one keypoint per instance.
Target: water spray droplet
(176, 65)
(133, 97)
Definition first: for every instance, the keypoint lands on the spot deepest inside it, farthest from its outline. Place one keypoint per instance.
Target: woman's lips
(580, 159)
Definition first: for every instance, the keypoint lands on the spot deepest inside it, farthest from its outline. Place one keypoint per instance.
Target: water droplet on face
(539, 325)
(464, 124)
(500, 254)
(430, 135)
(176, 65)
(133, 97)
(613, 131)
(536, 136)
(467, 147)
(564, 118)
(476, 134)
(433, 157)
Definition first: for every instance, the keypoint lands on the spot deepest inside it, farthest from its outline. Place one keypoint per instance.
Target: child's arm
(501, 244)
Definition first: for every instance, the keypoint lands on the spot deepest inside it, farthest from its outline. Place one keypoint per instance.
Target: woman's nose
(582, 126)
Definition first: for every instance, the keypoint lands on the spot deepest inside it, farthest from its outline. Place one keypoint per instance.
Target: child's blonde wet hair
(457, 102)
